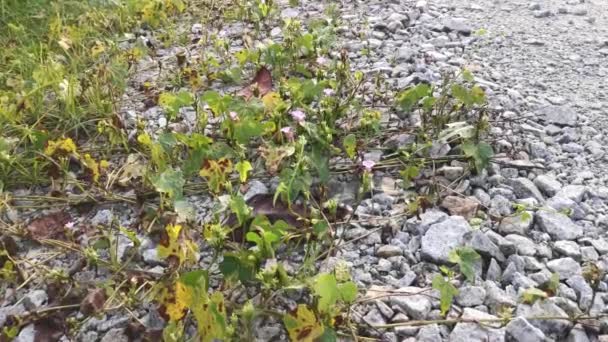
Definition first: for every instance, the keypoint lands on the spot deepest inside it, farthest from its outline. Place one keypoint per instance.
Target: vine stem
(486, 320)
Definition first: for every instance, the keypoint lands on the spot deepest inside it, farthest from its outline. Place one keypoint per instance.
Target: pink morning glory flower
(368, 165)
(298, 115)
(288, 132)
(328, 92)
(233, 116)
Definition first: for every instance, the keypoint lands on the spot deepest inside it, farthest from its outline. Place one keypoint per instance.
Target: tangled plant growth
(291, 109)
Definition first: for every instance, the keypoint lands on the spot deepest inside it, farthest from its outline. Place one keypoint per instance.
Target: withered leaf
(93, 302)
(259, 86)
(49, 226)
(50, 329)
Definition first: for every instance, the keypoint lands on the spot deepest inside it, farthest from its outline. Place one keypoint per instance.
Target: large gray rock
(525, 188)
(557, 225)
(548, 185)
(458, 25)
(520, 330)
(27, 334)
(568, 248)
(466, 332)
(564, 267)
(429, 333)
(573, 192)
(443, 237)
(471, 296)
(583, 291)
(523, 245)
(517, 224)
(477, 240)
(556, 328)
(559, 115)
(417, 306)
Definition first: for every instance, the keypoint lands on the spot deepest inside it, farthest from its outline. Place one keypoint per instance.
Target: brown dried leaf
(49, 226)
(93, 302)
(50, 329)
(260, 85)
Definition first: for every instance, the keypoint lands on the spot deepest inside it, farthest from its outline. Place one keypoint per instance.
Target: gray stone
(255, 188)
(151, 256)
(564, 267)
(496, 297)
(442, 237)
(115, 335)
(429, 333)
(524, 188)
(543, 14)
(566, 206)
(520, 330)
(11, 310)
(557, 225)
(35, 299)
(386, 310)
(600, 245)
(494, 272)
(524, 245)
(548, 185)
(466, 332)
(583, 291)
(374, 317)
(572, 192)
(458, 25)
(517, 224)
(388, 251)
(405, 54)
(588, 253)
(578, 334)
(417, 306)
(568, 248)
(27, 334)
(102, 218)
(556, 328)
(471, 296)
(559, 115)
(477, 240)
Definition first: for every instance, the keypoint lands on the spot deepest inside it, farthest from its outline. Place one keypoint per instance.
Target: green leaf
(246, 129)
(447, 291)
(462, 94)
(238, 266)
(320, 162)
(480, 153)
(465, 257)
(243, 167)
(467, 75)
(350, 145)
(348, 292)
(531, 295)
(173, 102)
(240, 208)
(170, 182)
(326, 288)
(198, 278)
(329, 335)
(409, 98)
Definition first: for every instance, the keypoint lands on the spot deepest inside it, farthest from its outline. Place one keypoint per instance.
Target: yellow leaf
(176, 245)
(175, 300)
(303, 326)
(271, 100)
(92, 165)
(216, 173)
(61, 146)
(210, 316)
(97, 49)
